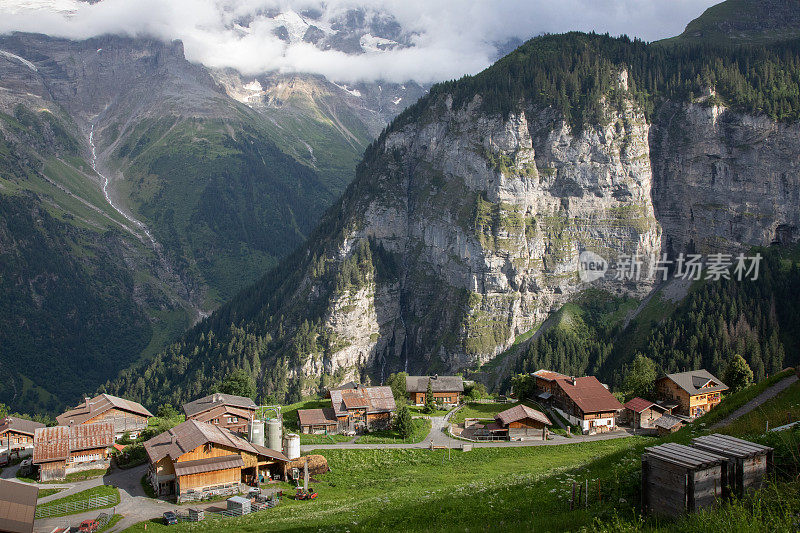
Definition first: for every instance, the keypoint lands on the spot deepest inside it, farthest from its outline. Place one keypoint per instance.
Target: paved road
(438, 436)
(756, 402)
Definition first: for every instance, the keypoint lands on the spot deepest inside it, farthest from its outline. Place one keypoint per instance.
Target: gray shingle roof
(693, 381)
(212, 400)
(667, 422)
(521, 412)
(191, 434)
(98, 405)
(20, 425)
(438, 383)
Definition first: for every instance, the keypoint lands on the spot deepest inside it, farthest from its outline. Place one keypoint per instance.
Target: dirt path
(756, 402)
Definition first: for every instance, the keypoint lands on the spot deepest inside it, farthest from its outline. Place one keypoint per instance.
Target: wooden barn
(748, 463)
(228, 411)
(16, 435)
(363, 408)
(642, 414)
(523, 423)
(445, 389)
(61, 450)
(677, 479)
(318, 421)
(667, 424)
(125, 415)
(195, 460)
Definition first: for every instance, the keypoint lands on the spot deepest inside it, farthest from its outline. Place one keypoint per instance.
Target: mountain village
(227, 456)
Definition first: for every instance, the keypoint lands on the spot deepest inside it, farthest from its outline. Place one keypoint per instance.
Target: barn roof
(210, 464)
(191, 434)
(637, 405)
(697, 382)
(729, 446)
(438, 383)
(222, 410)
(548, 375)
(57, 442)
(685, 456)
(20, 425)
(212, 400)
(588, 394)
(17, 506)
(90, 408)
(521, 412)
(667, 421)
(374, 399)
(317, 417)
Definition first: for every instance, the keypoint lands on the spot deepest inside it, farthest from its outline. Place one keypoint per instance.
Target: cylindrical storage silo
(292, 446)
(255, 431)
(274, 437)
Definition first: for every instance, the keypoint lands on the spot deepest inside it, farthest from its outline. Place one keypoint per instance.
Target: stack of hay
(317, 464)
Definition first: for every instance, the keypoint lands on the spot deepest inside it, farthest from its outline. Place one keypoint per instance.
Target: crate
(748, 463)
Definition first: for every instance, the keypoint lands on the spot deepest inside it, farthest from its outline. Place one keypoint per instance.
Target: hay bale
(317, 464)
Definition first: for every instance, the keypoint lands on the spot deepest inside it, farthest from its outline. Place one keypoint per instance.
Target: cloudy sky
(448, 38)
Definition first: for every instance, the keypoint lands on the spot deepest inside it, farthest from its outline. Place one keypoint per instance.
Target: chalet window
(208, 448)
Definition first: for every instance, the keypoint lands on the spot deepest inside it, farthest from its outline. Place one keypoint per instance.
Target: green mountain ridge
(286, 328)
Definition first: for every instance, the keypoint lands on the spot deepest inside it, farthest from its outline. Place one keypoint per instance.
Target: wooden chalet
(228, 411)
(318, 421)
(195, 460)
(677, 479)
(16, 435)
(61, 450)
(363, 408)
(126, 416)
(446, 389)
(585, 402)
(642, 414)
(343, 386)
(523, 423)
(17, 506)
(696, 391)
(545, 382)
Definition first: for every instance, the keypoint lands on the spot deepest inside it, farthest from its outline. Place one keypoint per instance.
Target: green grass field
(513, 489)
(422, 426)
(94, 492)
(783, 409)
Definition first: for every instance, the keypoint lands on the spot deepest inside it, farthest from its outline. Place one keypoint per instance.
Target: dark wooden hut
(678, 479)
(748, 463)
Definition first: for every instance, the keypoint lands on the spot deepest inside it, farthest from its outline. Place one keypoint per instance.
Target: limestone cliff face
(485, 218)
(724, 180)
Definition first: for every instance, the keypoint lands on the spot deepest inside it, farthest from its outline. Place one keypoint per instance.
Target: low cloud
(444, 39)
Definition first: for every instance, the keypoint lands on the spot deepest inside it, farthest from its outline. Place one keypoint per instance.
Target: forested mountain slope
(465, 222)
(203, 203)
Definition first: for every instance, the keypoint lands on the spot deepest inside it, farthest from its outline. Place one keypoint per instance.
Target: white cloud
(449, 37)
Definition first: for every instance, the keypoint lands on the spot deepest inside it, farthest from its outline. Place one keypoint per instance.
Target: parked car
(89, 526)
(170, 518)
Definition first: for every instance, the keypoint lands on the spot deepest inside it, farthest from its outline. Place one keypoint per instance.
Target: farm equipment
(89, 526)
(305, 494)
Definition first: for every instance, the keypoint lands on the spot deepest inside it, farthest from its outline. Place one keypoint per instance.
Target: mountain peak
(745, 22)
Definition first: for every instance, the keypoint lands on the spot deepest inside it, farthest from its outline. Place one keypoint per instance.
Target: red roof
(56, 443)
(589, 394)
(637, 405)
(548, 375)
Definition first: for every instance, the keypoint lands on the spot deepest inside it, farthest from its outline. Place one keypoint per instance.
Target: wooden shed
(748, 463)
(678, 479)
